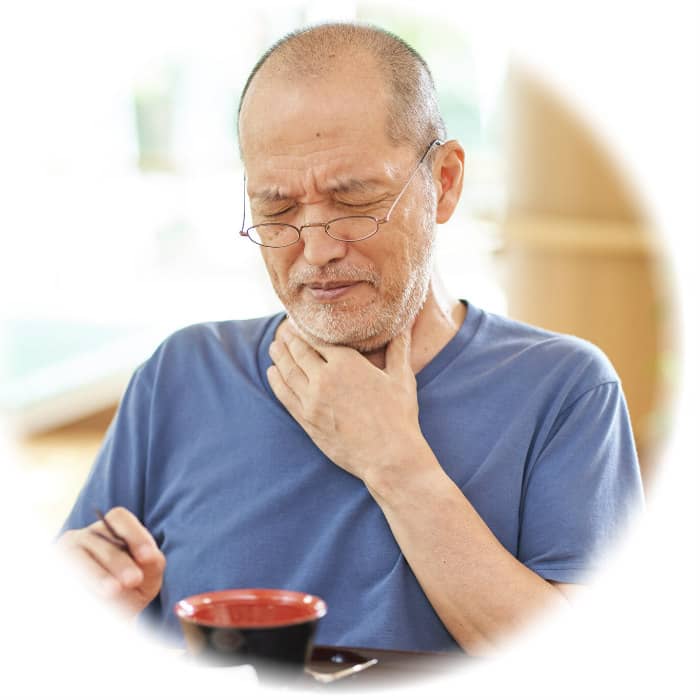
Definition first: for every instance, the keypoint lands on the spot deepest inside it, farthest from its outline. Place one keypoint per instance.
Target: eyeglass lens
(347, 228)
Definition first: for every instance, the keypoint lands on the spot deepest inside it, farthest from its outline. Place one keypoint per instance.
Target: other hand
(131, 579)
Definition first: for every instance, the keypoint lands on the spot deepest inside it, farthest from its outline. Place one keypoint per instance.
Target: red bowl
(251, 625)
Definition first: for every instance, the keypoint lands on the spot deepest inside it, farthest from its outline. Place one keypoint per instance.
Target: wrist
(404, 475)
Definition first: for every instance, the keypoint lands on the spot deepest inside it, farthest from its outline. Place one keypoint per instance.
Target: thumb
(398, 353)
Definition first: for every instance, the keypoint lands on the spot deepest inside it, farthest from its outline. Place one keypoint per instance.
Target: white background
(631, 69)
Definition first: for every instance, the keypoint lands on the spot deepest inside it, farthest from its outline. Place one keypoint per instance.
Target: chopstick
(115, 538)
(329, 677)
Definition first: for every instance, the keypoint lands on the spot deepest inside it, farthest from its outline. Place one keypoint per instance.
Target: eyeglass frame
(378, 222)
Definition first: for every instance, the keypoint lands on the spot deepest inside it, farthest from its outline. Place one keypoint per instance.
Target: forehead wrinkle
(319, 180)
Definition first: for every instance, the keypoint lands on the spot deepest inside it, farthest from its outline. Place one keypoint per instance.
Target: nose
(319, 248)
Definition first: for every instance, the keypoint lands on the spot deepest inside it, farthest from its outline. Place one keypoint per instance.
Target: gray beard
(370, 327)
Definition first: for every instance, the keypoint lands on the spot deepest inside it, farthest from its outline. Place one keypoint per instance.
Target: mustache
(334, 273)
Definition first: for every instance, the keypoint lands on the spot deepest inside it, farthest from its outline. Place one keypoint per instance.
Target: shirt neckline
(453, 348)
(442, 360)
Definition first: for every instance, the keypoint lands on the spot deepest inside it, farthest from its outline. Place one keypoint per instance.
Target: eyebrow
(269, 195)
(273, 195)
(353, 185)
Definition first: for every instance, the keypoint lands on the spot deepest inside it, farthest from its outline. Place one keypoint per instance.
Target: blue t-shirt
(530, 425)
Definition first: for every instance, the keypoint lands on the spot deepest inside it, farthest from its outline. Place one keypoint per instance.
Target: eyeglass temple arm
(242, 232)
(436, 142)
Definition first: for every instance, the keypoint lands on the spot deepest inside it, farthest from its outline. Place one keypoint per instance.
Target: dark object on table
(330, 664)
(392, 669)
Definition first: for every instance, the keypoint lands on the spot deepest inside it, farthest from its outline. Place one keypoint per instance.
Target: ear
(448, 173)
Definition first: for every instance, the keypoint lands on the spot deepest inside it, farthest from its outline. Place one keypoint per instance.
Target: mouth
(329, 291)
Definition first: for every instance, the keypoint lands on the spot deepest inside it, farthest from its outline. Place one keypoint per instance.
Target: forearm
(478, 589)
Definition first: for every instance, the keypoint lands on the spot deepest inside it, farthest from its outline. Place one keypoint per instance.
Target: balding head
(320, 52)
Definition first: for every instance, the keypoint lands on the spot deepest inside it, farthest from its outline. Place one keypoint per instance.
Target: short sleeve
(117, 476)
(582, 489)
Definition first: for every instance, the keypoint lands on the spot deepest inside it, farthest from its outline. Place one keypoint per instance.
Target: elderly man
(436, 473)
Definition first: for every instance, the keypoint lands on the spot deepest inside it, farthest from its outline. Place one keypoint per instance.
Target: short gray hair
(414, 116)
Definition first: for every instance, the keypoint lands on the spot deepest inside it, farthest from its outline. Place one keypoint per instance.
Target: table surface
(394, 667)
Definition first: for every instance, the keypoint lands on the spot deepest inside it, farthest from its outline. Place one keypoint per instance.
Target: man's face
(318, 150)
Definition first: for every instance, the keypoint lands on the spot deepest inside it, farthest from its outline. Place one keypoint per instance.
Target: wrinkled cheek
(273, 273)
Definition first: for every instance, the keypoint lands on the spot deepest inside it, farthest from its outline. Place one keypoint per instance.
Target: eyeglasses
(344, 228)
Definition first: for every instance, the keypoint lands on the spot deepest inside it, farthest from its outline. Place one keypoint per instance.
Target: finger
(108, 571)
(92, 573)
(104, 585)
(283, 393)
(114, 561)
(307, 356)
(151, 562)
(398, 353)
(153, 571)
(293, 375)
(134, 585)
(142, 546)
(130, 567)
(119, 544)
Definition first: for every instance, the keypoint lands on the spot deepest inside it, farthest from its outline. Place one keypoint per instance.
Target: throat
(377, 357)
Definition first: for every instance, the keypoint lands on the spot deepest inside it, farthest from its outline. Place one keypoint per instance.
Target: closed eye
(356, 206)
(278, 213)
(363, 205)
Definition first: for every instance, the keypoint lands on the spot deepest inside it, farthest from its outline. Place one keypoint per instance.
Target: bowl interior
(251, 608)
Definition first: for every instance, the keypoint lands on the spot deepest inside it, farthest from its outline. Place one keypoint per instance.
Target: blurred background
(125, 201)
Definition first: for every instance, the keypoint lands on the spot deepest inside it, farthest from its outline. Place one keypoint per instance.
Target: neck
(436, 324)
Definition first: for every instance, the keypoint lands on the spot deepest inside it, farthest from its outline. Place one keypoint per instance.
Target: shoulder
(207, 345)
(239, 332)
(541, 353)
